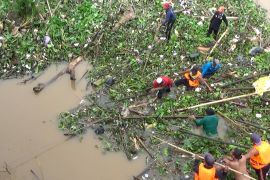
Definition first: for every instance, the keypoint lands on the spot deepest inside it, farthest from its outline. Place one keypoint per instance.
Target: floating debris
(258, 115)
(47, 40)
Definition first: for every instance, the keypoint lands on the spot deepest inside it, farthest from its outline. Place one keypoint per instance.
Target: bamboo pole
(144, 147)
(214, 47)
(232, 121)
(244, 79)
(216, 102)
(208, 17)
(253, 125)
(160, 117)
(212, 139)
(49, 7)
(243, 88)
(193, 154)
(58, 4)
(34, 174)
(70, 70)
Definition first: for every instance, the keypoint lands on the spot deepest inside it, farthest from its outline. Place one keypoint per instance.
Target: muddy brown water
(30, 140)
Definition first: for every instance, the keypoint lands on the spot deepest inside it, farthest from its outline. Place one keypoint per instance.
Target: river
(30, 139)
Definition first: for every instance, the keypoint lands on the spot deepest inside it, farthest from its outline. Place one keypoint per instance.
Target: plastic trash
(47, 40)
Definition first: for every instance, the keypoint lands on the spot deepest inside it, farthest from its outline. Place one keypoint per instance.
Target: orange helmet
(221, 9)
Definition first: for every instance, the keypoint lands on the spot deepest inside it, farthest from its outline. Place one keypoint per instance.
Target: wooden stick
(58, 4)
(254, 125)
(6, 168)
(216, 102)
(193, 154)
(244, 79)
(160, 117)
(43, 152)
(243, 88)
(71, 68)
(208, 17)
(232, 121)
(144, 147)
(48, 4)
(128, 15)
(83, 76)
(40, 169)
(35, 175)
(211, 139)
(214, 47)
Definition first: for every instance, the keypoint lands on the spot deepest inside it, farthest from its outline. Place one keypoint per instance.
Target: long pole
(214, 47)
(193, 154)
(212, 139)
(218, 101)
(244, 79)
(253, 125)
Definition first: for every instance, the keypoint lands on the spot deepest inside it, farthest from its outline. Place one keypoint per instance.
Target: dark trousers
(169, 29)
(163, 91)
(184, 82)
(211, 30)
(261, 173)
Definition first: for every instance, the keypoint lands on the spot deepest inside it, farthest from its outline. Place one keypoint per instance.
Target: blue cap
(256, 139)
(209, 159)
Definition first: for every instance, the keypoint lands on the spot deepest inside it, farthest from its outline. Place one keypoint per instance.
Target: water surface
(30, 140)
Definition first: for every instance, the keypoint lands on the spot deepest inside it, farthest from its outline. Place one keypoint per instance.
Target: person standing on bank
(170, 19)
(216, 21)
(162, 85)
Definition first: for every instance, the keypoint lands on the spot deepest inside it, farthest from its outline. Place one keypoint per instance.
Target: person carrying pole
(162, 85)
(259, 156)
(216, 21)
(210, 68)
(206, 169)
(170, 19)
(209, 123)
(192, 79)
(238, 162)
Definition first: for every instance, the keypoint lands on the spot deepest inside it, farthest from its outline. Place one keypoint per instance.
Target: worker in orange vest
(206, 170)
(259, 156)
(192, 79)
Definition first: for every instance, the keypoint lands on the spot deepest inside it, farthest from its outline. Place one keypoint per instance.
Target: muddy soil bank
(30, 139)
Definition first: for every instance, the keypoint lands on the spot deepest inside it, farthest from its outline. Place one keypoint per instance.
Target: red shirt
(166, 82)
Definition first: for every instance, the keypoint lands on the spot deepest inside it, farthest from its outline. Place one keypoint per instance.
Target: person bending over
(162, 85)
(192, 79)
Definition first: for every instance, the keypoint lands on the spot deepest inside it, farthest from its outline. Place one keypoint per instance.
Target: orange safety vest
(205, 174)
(263, 158)
(193, 82)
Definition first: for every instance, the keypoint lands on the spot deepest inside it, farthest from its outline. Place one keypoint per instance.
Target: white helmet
(159, 80)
